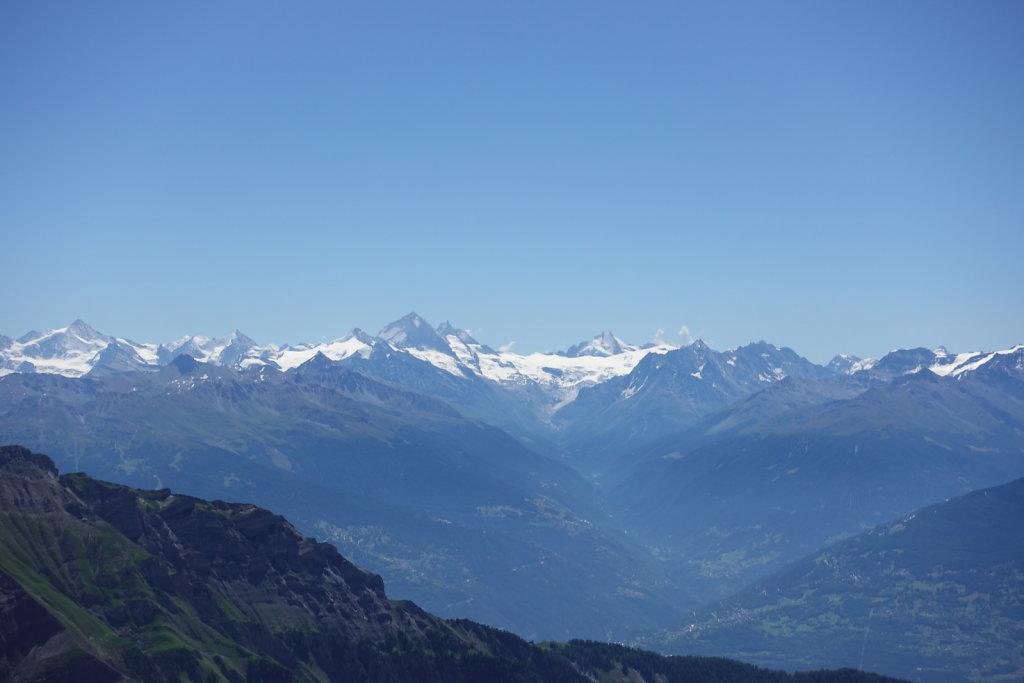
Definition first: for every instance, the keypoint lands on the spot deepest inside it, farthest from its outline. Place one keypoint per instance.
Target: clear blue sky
(831, 176)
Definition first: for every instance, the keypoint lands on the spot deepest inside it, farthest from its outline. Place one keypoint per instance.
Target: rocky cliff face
(163, 583)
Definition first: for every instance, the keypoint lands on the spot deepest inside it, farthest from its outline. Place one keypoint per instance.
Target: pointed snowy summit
(84, 331)
(76, 344)
(413, 332)
(603, 345)
(240, 338)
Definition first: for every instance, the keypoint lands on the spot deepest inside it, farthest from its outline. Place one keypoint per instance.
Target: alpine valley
(608, 491)
(103, 583)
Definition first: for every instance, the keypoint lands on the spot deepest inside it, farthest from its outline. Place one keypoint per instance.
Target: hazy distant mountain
(604, 345)
(668, 391)
(934, 596)
(907, 361)
(773, 477)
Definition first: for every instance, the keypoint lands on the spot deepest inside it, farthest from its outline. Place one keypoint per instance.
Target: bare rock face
(32, 484)
(250, 556)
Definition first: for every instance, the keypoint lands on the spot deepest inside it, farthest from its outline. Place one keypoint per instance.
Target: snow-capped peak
(360, 336)
(240, 339)
(843, 364)
(414, 333)
(69, 351)
(446, 329)
(605, 344)
(85, 332)
(398, 332)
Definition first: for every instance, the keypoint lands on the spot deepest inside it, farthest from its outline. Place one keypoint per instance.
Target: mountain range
(604, 491)
(547, 382)
(591, 400)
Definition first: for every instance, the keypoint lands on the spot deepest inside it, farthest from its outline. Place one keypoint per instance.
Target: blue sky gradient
(835, 177)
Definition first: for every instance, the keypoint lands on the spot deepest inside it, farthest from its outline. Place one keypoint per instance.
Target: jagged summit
(240, 338)
(398, 331)
(446, 329)
(413, 332)
(843, 364)
(359, 335)
(84, 331)
(698, 345)
(605, 344)
(29, 336)
(319, 361)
